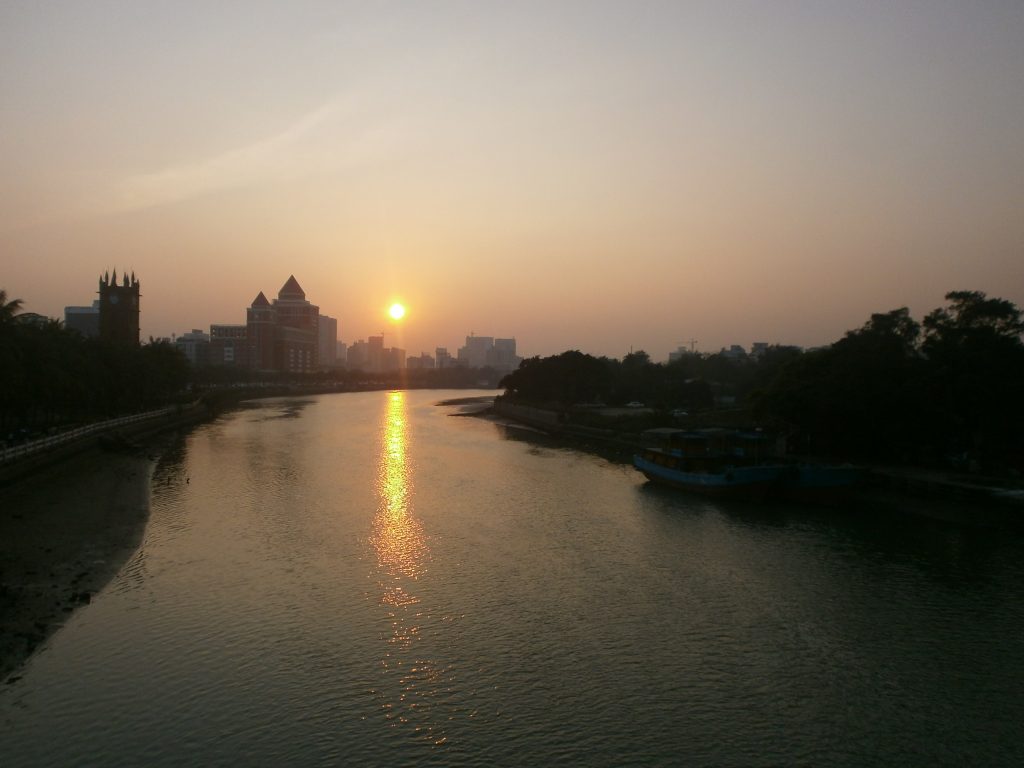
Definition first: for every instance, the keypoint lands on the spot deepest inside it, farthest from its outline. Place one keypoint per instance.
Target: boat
(713, 462)
(739, 464)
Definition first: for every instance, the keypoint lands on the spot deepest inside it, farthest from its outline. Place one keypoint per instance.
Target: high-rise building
(119, 309)
(260, 332)
(474, 353)
(327, 340)
(502, 356)
(375, 353)
(393, 359)
(229, 345)
(358, 358)
(480, 351)
(443, 359)
(283, 335)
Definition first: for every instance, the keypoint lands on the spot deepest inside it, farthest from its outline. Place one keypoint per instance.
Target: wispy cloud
(341, 133)
(297, 150)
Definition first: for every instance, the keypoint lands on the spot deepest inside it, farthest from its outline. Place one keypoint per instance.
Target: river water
(364, 579)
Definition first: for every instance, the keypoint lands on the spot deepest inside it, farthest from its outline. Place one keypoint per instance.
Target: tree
(972, 315)
(975, 361)
(857, 398)
(8, 309)
(569, 378)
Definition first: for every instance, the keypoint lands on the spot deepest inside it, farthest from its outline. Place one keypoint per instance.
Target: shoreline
(66, 530)
(899, 490)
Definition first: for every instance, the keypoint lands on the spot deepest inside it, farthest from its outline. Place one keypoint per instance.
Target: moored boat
(738, 464)
(724, 463)
(756, 482)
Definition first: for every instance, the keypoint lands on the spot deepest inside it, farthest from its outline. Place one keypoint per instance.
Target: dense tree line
(948, 391)
(50, 375)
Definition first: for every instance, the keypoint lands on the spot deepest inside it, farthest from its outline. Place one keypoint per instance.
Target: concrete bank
(24, 460)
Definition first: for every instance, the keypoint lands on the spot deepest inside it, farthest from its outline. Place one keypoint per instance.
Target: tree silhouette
(50, 375)
(8, 309)
(976, 376)
(945, 392)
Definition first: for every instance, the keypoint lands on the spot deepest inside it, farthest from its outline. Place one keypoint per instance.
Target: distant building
(327, 341)
(283, 335)
(119, 309)
(502, 356)
(375, 353)
(443, 359)
(341, 355)
(358, 357)
(85, 320)
(421, 362)
(195, 345)
(229, 345)
(393, 359)
(480, 351)
(260, 334)
(758, 349)
(736, 352)
(474, 353)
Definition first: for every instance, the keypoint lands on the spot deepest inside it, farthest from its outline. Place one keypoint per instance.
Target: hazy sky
(587, 175)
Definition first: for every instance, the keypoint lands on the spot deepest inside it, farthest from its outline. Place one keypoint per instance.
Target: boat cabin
(739, 445)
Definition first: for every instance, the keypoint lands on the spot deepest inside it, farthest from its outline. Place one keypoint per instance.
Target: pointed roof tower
(291, 290)
(260, 301)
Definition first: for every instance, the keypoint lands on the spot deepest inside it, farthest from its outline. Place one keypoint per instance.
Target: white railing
(32, 447)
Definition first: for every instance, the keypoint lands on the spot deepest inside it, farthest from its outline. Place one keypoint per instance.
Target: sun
(397, 311)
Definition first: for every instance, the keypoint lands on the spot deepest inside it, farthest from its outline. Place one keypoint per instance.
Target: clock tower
(119, 309)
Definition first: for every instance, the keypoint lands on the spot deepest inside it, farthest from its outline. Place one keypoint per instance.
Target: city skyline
(593, 176)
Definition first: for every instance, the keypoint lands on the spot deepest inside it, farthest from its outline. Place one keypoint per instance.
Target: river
(365, 579)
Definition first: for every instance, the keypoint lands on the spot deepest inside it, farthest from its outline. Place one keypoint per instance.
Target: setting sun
(397, 311)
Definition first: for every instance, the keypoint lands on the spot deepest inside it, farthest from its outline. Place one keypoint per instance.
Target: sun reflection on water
(397, 536)
(410, 682)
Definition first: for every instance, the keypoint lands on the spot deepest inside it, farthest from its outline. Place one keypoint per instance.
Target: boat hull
(742, 482)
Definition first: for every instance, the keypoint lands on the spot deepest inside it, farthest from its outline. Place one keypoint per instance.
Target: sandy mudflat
(65, 532)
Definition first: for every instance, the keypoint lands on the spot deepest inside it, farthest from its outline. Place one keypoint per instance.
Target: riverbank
(72, 516)
(899, 490)
(65, 532)
(126, 434)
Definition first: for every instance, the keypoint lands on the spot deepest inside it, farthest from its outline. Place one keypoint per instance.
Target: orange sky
(584, 175)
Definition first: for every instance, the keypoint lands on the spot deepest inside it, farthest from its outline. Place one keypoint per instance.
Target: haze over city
(584, 175)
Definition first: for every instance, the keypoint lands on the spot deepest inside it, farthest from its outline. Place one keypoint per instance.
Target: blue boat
(727, 480)
(723, 463)
(738, 464)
